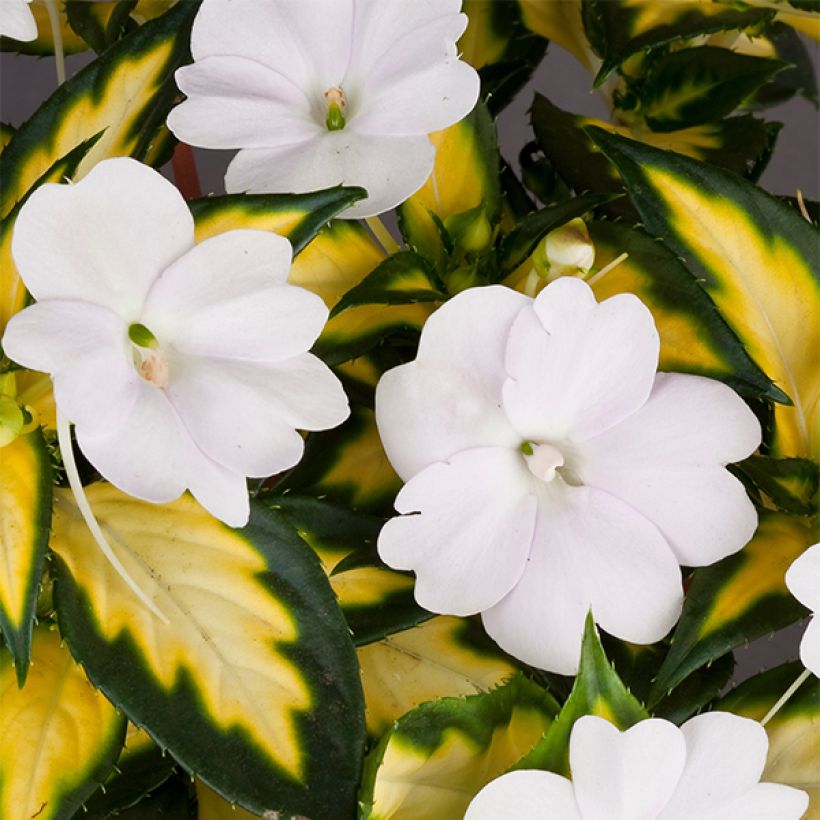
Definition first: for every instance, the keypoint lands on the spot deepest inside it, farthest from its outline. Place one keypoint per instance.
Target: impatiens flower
(708, 769)
(550, 470)
(803, 581)
(317, 93)
(180, 365)
(17, 21)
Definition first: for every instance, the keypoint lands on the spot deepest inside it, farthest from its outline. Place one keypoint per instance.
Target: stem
(785, 697)
(382, 234)
(607, 268)
(57, 35)
(185, 173)
(67, 451)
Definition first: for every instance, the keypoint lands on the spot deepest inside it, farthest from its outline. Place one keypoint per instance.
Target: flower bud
(567, 250)
(470, 230)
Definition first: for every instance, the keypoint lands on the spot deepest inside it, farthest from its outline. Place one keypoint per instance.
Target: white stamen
(153, 367)
(335, 95)
(544, 461)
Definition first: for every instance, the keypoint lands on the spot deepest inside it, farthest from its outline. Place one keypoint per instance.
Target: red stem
(185, 174)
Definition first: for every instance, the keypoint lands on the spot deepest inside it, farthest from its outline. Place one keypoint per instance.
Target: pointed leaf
(435, 759)
(59, 737)
(252, 685)
(25, 519)
(444, 657)
(561, 22)
(736, 600)
(597, 691)
(210, 806)
(753, 254)
(126, 93)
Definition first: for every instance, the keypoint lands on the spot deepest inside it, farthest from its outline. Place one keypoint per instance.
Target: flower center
(542, 459)
(336, 104)
(148, 359)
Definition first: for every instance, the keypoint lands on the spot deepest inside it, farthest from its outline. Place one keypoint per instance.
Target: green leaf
(465, 175)
(25, 513)
(402, 279)
(736, 600)
(503, 50)
(597, 691)
(299, 217)
(59, 737)
(799, 76)
(169, 801)
(443, 657)
(252, 685)
(697, 85)
(435, 759)
(755, 257)
(794, 732)
(617, 29)
(126, 93)
(787, 484)
(520, 243)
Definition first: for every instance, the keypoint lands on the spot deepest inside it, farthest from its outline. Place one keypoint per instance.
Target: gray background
(26, 81)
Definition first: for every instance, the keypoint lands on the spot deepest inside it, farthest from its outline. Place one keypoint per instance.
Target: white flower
(181, 365)
(803, 581)
(17, 21)
(550, 470)
(317, 93)
(708, 769)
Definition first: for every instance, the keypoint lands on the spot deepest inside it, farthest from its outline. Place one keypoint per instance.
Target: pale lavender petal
(526, 794)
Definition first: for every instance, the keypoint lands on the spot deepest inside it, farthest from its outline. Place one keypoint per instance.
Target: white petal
(576, 367)
(307, 41)
(390, 168)
(765, 801)
(525, 795)
(803, 578)
(449, 398)
(625, 775)
(17, 21)
(589, 551)
(244, 414)
(665, 460)
(83, 347)
(421, 102)
(234, 102)
(468, 531)
(810, 646)
(222, 492)
(725, 755)
(104, 239)
(228, 297)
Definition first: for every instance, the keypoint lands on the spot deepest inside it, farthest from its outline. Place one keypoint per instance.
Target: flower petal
(810, 646)
(803, 578)
(228, 297)
(17, 21)
(421, 102)
(449, 398)
(467, 532)
(725, 755)
(108, 236)
(234, 102)
(306, 41)
(589, 550)
(390, 168)
(244, 414)
(577, 367)
(665, 461)
(629, 774)
(525, 795)
(765, 801)
(83, 347)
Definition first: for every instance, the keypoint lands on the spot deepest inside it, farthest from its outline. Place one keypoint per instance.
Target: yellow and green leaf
(617, 29)
(597, 691)
(757, 259)
(59, 736)
(794, 731)
(736, 600)
(435, 759)
(561, 21)
(443, 657)
(252, 684)
(464, 177)
(126, 93)
(210, 806)
(25, 518)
